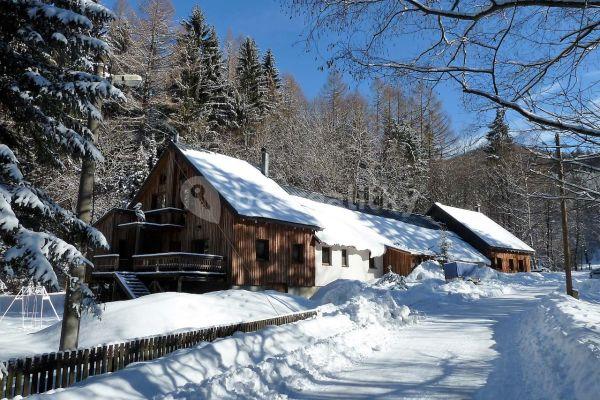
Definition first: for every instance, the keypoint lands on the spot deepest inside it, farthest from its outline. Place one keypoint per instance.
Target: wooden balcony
(167, 215)
(178, 262)
(162, 262)
(106, 262)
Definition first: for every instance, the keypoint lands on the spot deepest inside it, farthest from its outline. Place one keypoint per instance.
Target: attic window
(262, 250)
(326, 256)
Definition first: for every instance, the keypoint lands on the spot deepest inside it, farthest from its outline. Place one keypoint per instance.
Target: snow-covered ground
(511, 336)
(152, 315)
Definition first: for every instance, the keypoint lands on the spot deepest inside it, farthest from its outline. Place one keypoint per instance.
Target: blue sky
(270, 24)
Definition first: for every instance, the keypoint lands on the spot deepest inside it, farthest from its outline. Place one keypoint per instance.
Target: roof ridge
(417, 219)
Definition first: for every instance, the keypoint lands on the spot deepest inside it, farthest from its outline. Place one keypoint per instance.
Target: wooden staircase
(131, 285)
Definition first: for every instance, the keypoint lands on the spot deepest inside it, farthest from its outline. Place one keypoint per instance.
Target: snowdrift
(425, 271)
(561, 340)
(159, 314)
(262, 364)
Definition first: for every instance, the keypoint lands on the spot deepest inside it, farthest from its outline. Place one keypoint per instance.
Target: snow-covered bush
(391, 281)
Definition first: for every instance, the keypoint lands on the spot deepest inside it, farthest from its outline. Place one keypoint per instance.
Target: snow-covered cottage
(211, 221)
(507, 252)
(206, 221)
(360, 242)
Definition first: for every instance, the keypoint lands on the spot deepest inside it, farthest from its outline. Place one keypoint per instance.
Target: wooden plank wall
(108, 226)
(45, 372)
(279, 269)
(219, 237)
(233, 237)
(505, 259)
(402, 263)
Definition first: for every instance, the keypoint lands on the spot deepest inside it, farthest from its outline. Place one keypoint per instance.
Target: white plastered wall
(358, 265)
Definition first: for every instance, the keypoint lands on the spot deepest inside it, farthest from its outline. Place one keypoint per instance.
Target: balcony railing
(161, 262)
(167, 215)
(177, 261)
(106, 262)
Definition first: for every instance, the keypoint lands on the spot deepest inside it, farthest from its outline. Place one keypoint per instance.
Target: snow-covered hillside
(511, 336)
(155, 314)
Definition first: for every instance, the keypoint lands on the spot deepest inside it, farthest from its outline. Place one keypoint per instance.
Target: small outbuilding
(507, 252)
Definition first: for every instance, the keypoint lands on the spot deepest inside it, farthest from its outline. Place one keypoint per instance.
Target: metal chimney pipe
(478, 207)
(264, 168)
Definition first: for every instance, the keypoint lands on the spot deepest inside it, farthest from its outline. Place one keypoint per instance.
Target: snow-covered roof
(246, 189)
(252, 194)
(345, 227)
(485, 228)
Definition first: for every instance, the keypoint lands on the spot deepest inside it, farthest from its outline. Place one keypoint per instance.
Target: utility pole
(563, 212)
(69, 337)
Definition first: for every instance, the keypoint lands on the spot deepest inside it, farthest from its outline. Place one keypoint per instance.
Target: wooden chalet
(211, 222)
(505, 251)
(204, 221)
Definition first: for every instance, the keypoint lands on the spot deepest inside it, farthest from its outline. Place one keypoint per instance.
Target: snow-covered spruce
(49, 90)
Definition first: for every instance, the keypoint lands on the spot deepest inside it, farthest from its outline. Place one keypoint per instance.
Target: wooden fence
(38, 374)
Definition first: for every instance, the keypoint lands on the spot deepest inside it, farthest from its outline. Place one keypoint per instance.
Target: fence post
(99, 356)
(51, 371)
(26, 378)
(86, 364)
(10, 378)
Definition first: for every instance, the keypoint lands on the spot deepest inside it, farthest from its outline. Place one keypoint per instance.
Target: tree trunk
(563, 212)
(69, 337)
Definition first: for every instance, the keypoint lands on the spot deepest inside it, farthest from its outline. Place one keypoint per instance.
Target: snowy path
(449, 355)
(522, 341)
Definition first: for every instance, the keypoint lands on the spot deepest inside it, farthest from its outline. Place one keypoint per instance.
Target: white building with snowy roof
(360, 242)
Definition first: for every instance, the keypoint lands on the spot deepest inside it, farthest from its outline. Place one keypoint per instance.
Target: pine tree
(221, 99)
(272, 80)
(251, 85)
(499, 170)
(202, 90)
(499, 140)
(47, 92)
(191, 91)
(191, 58)
(410, 143)
(405, 169)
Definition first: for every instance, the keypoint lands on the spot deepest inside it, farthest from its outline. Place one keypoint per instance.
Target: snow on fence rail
(38, 374)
